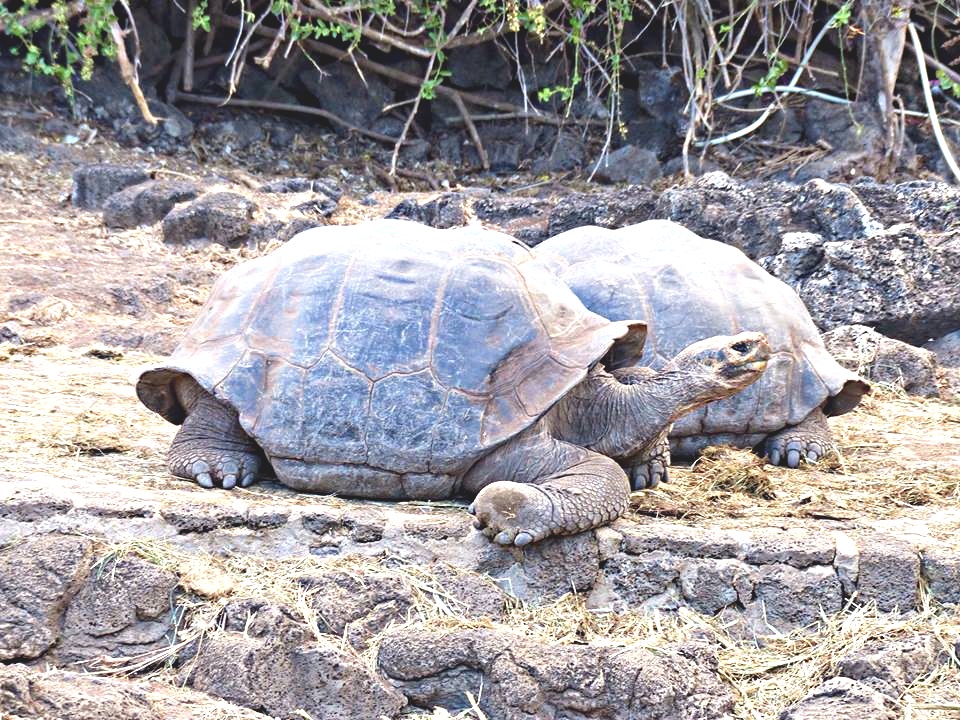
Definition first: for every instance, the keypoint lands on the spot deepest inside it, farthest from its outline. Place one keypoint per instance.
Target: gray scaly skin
(810, 440)
(565, 470)
(210, 445)
(651, 466)
(559, 477)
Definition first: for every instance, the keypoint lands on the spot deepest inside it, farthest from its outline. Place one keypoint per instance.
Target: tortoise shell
(388, 345)
(685, 288)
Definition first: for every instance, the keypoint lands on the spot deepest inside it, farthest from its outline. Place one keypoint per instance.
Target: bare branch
(792, 84)
(129, 73)
(931, 108)
(317, 9)
(472, 130)
(188, 48)
(265, 60)
(284, 107)
(410, 117)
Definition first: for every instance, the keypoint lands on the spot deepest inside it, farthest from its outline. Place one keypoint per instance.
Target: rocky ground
(738, 590)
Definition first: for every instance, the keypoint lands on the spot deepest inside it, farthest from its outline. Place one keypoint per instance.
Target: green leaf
(842, 17)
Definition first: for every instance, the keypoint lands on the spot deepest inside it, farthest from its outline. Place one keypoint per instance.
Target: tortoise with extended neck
(391, 360)
(686, 287)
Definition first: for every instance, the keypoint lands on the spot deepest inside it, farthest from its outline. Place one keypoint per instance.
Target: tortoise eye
(740, 347)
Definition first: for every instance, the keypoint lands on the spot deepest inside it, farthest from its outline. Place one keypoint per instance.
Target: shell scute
(383, 324)
(336, 404)
(485, 318)
(232, 299)
(292, 317)
(404, 409)
(279, 413)
(459, 425)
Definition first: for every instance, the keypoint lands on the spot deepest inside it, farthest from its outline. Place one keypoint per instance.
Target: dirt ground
(94, 305)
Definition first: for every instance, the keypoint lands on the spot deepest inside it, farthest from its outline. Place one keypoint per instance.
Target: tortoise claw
(204, 480)
(523, 538)
(793, 458)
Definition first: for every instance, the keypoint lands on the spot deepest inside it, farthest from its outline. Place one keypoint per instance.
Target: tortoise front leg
(211, 447)
(810, 439)
(555, 488)
(651, 467)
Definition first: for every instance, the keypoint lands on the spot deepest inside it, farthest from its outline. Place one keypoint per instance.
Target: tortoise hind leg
(554, 488)
(810, 439)
(211, 447)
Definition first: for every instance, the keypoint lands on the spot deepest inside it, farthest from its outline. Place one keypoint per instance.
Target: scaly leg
(211, 447)
(555, 489)
(651, 467)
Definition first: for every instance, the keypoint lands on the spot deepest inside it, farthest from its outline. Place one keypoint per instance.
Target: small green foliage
(69, 45)
(948, 85)
(565, 92)
(318, 29)
(428, 90)
(535, 21)
(842, 17)
(201, 18)
(778, 66)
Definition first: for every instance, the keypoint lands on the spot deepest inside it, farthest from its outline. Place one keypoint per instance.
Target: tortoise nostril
(740, 347)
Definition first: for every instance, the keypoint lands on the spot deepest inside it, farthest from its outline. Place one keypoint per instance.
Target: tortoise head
(717, 367)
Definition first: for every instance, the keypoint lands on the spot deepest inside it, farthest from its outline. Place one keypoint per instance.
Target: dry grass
(732, 470)
(68, 412)
(783, 670)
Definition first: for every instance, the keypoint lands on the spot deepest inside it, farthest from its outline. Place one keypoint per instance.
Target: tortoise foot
(646, 476)
(649, 469)
(809, 440)
(211, 447)
(512, 513)
(214, 467)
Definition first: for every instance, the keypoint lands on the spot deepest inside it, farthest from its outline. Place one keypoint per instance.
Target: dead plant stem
(928, 97)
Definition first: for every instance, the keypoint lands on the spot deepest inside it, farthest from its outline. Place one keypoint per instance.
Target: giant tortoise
(685, 287)
(391, 360)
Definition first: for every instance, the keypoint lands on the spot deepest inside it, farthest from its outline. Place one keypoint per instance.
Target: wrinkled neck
(671, 394)
(621, 417)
